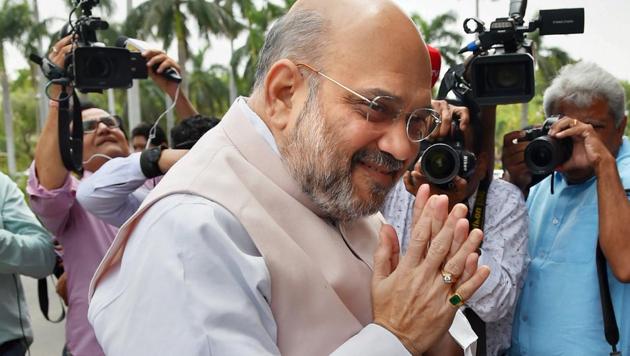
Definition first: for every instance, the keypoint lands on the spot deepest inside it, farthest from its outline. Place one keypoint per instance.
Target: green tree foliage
(25, 130)
(14, 17)
(436, 33)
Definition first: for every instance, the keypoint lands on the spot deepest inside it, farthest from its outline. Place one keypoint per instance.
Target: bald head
(372, 36)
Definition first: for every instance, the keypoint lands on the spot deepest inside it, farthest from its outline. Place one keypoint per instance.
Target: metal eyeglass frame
(374, 103)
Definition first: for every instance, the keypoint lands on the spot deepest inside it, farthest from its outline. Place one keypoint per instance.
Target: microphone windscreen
(436, 64)
(121, 41)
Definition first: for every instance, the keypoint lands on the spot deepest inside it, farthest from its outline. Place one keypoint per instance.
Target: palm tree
(167, 20)
(209, 88)
(257, 24)
(14, 17)
(436, 34)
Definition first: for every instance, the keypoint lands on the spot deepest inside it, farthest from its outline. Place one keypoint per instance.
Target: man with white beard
(262, 240)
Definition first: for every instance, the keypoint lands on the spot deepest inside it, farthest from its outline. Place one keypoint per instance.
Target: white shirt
(504, 250)
(192, 282)
(115, 191)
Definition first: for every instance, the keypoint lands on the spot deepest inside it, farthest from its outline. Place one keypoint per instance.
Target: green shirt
(25, 249)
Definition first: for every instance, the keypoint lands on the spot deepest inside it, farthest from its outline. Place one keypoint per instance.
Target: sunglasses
(91, 125)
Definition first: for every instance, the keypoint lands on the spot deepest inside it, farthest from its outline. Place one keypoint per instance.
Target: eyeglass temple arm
(371, 102)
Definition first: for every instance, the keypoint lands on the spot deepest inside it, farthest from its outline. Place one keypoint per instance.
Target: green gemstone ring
(456, 300)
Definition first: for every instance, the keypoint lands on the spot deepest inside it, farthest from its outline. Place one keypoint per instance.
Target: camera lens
(98, 67)
(542, 156)
(545, 153)
(440, 163)
(507, 77)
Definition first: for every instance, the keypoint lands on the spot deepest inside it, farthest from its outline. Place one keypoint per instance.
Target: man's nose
(102, 127)
(396, 142)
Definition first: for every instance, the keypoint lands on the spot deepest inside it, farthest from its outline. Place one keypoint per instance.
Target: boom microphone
(136, 45)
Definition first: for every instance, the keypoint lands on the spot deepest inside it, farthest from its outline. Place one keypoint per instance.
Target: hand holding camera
(445, 163)
(515, 169)
(157, 63)
(588, 149)
(456, 192)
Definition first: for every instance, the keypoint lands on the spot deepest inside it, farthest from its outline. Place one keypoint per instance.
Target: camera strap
(477, 220)
(70, 143)
(611, 330)
(42, 295)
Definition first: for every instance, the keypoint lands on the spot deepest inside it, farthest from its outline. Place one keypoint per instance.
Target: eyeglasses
(421, 122)
(91, 124)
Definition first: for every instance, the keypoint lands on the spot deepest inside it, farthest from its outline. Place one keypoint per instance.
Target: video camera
(90, 68)
(445, 158)
(502, 67)
(93, 67)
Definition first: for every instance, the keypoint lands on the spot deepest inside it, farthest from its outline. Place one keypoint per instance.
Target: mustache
(378, 158)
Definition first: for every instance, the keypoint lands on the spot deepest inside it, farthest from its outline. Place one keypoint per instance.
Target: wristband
(149, 162)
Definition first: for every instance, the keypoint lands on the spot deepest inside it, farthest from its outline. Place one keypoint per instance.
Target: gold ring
(447, 277)
(456, 300)
(574, 122)
(54, 49)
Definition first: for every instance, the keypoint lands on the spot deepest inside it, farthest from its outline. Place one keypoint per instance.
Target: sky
(605, 39)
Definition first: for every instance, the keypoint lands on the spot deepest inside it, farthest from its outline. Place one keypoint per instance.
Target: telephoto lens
(442, 162)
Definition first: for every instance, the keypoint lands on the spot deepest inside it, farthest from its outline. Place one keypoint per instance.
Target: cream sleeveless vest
(320, 274)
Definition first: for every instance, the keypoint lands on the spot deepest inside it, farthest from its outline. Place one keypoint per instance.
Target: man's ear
(281, 93)
(622, 126)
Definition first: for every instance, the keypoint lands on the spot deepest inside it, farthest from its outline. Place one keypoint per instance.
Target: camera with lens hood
(502, 67)
(92, 67)
(444, 159)
(544, 153)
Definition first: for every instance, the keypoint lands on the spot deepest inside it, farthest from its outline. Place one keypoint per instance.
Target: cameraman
(504, 226)
(559, 311)
(52, 189)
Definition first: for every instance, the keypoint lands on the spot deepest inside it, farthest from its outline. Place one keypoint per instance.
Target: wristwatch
(149, 162)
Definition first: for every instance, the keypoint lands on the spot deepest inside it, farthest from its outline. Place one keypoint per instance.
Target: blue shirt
(559, 311)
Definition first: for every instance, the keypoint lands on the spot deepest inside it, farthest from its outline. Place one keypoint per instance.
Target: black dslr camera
(445, 158)
(544, 153)
(502, 69)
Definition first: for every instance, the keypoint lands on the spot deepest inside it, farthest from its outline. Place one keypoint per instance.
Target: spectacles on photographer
(92, 124)
(421, 122)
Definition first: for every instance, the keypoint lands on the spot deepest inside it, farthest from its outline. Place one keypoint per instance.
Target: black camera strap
(70, 143)
(477, 220)
(611, 330)
(42, 295)
(478, 212)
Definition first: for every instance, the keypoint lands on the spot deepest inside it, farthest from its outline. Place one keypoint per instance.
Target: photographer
(25, 249)
(116, 191)
(52, 189)
(560, 310)
(505, 225)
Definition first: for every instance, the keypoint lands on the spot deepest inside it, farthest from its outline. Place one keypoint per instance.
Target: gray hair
(583, 82)
(298, 36)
